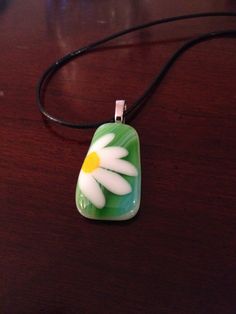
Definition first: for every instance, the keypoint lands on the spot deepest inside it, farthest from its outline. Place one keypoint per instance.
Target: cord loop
(48, 74)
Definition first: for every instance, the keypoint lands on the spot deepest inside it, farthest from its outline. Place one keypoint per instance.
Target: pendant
(109, 182)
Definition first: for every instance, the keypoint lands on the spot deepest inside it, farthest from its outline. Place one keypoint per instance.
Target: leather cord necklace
(109, 182)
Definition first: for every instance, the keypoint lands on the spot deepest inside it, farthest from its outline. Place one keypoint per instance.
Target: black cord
(47, 75)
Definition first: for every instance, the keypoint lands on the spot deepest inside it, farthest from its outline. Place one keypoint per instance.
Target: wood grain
(179, 254)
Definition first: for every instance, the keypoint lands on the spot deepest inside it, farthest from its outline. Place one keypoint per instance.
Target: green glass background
(116, 207)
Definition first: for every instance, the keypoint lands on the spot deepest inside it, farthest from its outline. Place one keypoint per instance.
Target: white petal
(118, 165)
(102, 142)
(113, 152)
(91, 189)
(112, 181)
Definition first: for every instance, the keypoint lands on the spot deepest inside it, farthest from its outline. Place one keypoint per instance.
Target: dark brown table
(178, 255)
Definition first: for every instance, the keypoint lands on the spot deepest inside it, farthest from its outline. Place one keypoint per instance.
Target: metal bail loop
(119, 111)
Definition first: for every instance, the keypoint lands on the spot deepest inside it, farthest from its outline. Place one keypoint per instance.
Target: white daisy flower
(101, 166)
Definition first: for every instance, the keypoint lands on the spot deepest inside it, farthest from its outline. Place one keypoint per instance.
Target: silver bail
(119, 111)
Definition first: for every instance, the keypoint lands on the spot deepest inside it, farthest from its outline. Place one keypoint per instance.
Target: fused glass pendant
(109, 181)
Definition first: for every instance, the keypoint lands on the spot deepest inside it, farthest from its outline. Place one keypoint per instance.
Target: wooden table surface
(179, 254)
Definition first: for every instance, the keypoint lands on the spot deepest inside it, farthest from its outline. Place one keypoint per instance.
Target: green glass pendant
(109, 181)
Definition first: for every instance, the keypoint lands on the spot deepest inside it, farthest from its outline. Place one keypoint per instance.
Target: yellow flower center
(91, 162)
